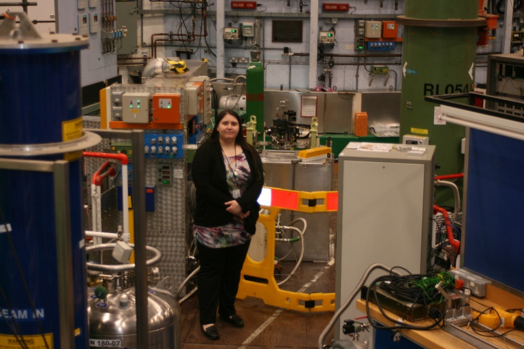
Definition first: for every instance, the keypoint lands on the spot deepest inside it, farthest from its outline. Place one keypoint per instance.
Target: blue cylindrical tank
(40, 105)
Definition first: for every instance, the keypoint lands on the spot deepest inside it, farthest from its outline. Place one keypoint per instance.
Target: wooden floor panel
(266, 326)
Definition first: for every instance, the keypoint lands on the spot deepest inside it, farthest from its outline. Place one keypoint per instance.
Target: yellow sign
(420, 131)
(32, 341)
(72, 129)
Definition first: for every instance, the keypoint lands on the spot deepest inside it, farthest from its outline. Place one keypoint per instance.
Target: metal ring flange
(88, 139)
(442, 23)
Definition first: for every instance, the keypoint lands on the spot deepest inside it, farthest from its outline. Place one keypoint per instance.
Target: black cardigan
(209, 175)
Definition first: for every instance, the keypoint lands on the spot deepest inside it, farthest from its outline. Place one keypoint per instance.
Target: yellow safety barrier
(258, 279)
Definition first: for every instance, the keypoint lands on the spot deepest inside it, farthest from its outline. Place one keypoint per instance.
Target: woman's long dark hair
(240, 140)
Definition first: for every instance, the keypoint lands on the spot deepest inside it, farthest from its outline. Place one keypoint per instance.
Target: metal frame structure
(139, 219)
(483, 119)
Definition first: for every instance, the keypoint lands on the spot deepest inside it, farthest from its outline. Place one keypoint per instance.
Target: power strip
(475, 283)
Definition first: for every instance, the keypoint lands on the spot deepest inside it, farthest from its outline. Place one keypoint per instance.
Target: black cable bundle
(415, 289)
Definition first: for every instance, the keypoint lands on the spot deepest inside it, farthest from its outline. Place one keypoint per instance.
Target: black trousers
(218, 280)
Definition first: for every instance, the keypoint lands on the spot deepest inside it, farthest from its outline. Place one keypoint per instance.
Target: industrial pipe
(450, 176)
(122, 267)
(452, 241)
(456, 194)
(124, 161)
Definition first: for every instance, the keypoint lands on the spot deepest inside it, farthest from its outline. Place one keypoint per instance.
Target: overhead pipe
(188, 37)
(367, 55)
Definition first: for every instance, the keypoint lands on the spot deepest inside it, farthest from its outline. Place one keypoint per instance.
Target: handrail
(488, 120)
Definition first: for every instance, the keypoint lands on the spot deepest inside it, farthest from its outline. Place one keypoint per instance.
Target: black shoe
(210, 332)
(234, 320)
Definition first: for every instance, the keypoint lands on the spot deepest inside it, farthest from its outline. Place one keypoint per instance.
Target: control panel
(373, 29)
(166, 108)
(231, 33)
(206, 100)
(94, 25)
(164, 174)
(389, 30)
(83, 24)
(248, 29)
(380, 45)
(326, 37)
(194, 97)
(360, 27)
(164, 146)
(135, 107)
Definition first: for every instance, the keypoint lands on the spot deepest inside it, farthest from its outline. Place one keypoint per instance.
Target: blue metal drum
(40, 104)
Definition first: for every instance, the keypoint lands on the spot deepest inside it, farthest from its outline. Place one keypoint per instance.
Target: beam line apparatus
(432, 28)
(44, 216)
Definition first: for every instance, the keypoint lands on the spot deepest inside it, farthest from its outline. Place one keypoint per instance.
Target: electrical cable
(22, 277)
(183, 284)
(350, 299)
(301, 232)
(16, 333)
(417, 289)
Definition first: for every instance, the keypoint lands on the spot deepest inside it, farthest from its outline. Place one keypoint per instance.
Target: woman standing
(228, 177)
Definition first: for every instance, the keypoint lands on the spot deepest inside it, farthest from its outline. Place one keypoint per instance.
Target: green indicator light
(330, 34)
(233, 31)
(138, 101)
(130, 106)
(166, 182)
(138, 106)
(168, 107)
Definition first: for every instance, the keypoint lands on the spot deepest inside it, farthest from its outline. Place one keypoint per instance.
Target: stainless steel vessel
(112, 307)
(112, 322)
(283, 170)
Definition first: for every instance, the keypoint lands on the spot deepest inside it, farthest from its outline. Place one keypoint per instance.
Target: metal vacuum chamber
(284, 170)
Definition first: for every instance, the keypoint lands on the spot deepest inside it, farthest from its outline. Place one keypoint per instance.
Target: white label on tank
(105, 343)
(178, 173)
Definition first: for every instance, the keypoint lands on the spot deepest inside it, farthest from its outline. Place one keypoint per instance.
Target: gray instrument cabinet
(384, 216)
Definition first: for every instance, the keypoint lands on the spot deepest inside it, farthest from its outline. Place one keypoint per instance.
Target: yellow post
(314, 132)
(251, 130)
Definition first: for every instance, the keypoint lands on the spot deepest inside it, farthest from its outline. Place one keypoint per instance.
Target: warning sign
(31, 342)
(72, 129)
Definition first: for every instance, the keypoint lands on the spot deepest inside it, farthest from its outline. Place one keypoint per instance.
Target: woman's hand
(243, 215)
(233, 207)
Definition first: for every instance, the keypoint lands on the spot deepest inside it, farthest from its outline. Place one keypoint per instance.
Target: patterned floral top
(233, 233)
